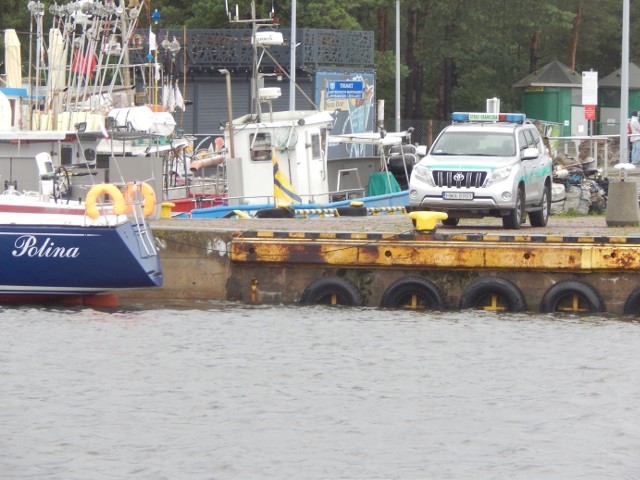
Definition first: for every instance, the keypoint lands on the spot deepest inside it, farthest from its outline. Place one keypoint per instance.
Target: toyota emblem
(458, 177)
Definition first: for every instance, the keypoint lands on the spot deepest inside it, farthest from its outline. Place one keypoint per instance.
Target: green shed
(609, 99)
(552, 94)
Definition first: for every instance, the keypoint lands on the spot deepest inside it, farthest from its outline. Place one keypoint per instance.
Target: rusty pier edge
(537, 271)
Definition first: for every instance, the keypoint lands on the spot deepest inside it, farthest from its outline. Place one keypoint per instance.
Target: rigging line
(288, 77)
(134, 17)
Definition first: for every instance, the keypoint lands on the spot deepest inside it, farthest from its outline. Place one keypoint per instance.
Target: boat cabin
(296, 140)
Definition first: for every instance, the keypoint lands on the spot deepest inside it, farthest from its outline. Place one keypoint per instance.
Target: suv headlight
(498, 175)
(422, 173)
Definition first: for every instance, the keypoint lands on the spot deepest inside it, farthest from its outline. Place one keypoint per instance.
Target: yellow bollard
(165, 209)
(425, 222)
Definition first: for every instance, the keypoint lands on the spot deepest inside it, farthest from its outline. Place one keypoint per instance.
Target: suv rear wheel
(450, 222)
(514, 219)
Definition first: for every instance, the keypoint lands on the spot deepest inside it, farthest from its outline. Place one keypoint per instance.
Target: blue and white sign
(345, 89)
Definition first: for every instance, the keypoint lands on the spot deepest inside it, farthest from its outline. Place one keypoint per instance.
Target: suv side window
(537, 141)
(522, 140)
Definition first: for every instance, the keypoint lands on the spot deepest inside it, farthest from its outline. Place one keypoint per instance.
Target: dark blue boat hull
(60, 260)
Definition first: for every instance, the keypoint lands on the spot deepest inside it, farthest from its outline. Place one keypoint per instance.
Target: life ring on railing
(331, 291)
(571, 296)
(632, 305)
(412, 293)
(492, 293)
(148, 195)
(91, 207)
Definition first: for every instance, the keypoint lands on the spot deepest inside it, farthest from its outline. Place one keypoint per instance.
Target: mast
(256, 24)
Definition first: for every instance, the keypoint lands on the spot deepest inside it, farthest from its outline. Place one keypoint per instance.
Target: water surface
(220, 390)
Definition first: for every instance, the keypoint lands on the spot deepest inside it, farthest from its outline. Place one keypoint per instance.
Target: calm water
(217, 391)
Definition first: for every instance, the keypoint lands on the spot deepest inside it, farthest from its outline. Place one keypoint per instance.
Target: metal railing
(232, 48)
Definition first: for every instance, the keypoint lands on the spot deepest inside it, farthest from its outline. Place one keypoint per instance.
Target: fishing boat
(55, 248)
(276, 157)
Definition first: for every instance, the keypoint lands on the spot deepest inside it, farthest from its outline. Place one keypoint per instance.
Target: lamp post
(622, 199)
(398, 126)
(292, 72)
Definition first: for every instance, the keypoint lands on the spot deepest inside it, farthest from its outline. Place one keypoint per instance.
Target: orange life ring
(148, 195)
(91, 207)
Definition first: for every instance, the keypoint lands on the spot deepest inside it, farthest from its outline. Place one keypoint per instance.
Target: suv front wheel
(540, 217)
(514, 218)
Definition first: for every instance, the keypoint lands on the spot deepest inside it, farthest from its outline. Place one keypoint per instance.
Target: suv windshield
(481, 144)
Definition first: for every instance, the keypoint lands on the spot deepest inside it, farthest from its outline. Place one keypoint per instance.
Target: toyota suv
(485, 164)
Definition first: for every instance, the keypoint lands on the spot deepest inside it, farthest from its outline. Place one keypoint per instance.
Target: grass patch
(574, 214)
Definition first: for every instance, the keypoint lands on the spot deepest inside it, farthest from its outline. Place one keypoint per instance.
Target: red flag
(83, 64)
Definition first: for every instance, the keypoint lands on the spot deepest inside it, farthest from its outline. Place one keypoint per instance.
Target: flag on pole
(283, 191)
(153, 46)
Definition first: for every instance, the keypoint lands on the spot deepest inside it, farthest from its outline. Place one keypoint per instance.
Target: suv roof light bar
(488, 117)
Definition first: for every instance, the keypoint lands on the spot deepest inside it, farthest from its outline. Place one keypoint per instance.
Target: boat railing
(346, 194)
(140, 225)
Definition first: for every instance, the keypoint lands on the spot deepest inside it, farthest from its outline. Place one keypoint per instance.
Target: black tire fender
(483, 287)
(561, 290)
(277, 212)
(632, 305)
(331, 291)
(352, 211)
(399, 292)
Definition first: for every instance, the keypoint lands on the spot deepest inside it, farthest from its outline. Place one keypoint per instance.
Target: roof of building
(554, 74)
(614, 79)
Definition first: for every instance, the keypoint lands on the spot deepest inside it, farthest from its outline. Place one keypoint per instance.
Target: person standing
(634, 138)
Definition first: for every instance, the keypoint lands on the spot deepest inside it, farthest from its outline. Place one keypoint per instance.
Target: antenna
(262, 39)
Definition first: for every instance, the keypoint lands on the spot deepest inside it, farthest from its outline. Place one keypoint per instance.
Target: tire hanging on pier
(331, 291)
(492, 294)
(571, 296)
(412, 293)
(632, 305)
(352, 211)
(276, 212)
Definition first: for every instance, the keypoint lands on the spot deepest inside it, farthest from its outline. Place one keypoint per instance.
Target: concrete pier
(368, 260)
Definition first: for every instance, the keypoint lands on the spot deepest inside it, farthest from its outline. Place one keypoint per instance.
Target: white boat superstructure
(75, 95)
(267, 149)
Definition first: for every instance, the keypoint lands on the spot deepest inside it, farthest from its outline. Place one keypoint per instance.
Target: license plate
(457, 195)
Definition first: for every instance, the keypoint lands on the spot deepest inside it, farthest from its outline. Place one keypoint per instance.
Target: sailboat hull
(64, 260)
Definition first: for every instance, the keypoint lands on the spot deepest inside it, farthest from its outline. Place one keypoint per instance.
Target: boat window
(316, 148)
(261, 147)
(66, 155)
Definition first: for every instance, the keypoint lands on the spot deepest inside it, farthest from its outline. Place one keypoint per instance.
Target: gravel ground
(590, 225)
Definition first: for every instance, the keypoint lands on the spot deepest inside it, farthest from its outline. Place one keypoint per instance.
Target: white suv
(485, 164)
